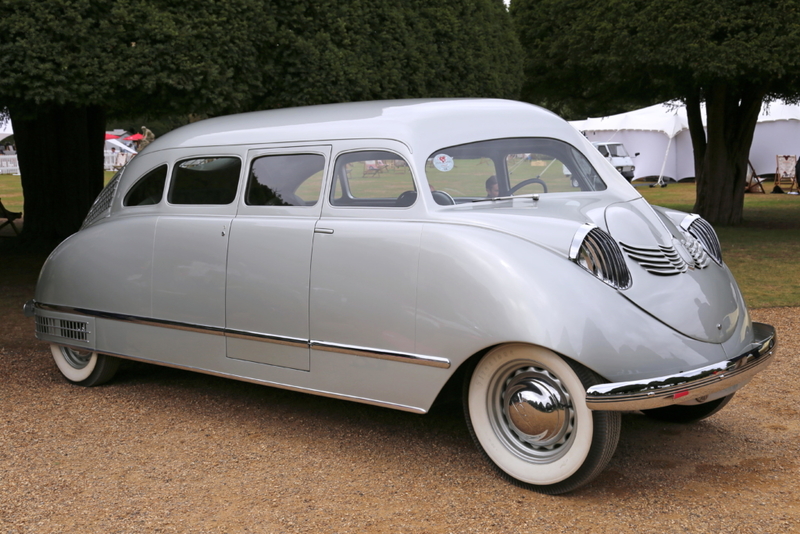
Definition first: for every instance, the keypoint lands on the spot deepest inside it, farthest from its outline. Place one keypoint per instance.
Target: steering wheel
(443, 198)
(450, 191)
(406, 199)
(529, 181)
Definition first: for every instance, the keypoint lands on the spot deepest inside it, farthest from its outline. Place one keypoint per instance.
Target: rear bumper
(690, 385)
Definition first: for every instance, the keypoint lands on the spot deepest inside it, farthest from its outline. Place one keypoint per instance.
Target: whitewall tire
(84, 368)
(526, 409)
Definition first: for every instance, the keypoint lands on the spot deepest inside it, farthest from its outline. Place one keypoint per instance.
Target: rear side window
(205, 181)
(149, 189)
(285, 180)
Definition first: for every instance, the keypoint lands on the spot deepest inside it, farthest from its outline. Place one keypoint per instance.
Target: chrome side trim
(267, 338)
(417, 359)
(311, 391)
(431, 361)
(147, 321)
(687, 386)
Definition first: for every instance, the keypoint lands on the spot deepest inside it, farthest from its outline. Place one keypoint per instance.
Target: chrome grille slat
(704, 232)
(661, 260)
(599, 254)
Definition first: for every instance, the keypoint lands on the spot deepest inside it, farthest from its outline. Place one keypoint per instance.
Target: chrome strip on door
(405, 357)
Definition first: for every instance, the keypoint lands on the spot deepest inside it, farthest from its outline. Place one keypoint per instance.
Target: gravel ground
(162, 450)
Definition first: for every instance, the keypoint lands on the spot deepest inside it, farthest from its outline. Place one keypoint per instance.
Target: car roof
(425, 124)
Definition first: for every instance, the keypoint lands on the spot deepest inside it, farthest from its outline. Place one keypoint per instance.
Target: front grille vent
(661, 260)
(599, 254)
(704, 232)
(73, 330)
(102, 204)
(698, 252)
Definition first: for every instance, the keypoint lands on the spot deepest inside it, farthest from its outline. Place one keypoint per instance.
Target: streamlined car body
(378, 251)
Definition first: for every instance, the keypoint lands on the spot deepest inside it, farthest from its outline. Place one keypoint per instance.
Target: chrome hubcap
(532, 412)
(76, 358)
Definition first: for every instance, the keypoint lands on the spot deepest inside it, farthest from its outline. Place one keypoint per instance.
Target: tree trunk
(722, 152)
(60, 153)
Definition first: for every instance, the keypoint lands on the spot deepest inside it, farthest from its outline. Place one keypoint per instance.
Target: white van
(616, 154)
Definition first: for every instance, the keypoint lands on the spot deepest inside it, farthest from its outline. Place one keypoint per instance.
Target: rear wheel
(84, 368)
(688, 413)
(526, 409)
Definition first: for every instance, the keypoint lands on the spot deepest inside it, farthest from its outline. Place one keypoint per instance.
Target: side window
(372, 179)
(205, 181)
(286, 180)
(148, 190)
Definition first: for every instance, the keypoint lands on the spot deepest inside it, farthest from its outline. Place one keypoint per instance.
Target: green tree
(68, 65)
(731, 55)
(349, 50)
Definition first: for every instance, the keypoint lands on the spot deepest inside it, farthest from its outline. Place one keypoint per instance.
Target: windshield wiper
(534, 196)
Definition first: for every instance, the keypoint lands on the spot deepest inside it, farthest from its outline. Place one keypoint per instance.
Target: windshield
(617, 151)
(510, 167)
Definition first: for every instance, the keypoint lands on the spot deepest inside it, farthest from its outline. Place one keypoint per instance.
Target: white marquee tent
(5, 129)
(660, 134)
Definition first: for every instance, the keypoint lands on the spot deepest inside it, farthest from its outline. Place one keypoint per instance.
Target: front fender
(479, 288)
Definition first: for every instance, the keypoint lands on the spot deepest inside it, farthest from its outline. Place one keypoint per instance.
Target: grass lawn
(11, 190)
(763, 252)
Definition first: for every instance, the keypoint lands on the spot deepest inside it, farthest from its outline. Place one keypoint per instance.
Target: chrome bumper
(691, 385)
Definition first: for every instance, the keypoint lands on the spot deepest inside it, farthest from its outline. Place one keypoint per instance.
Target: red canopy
(111, 136)
(134, 137)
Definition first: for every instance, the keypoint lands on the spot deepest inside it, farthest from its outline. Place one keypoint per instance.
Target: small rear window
(205, 181)
(149, 189)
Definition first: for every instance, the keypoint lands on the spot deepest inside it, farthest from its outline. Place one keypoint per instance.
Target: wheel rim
(531, 411)
(76, 358)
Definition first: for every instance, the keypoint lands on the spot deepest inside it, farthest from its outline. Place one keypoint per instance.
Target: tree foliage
(730, 55)
(69, 64)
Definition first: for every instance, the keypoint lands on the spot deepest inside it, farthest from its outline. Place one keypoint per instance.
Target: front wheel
(526, 410)
(84, 368)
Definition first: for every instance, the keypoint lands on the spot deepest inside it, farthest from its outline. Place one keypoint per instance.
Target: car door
(191, 242)
(366, 250)
(269, 257)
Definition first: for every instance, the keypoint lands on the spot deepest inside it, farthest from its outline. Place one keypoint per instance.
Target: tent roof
(670, 118)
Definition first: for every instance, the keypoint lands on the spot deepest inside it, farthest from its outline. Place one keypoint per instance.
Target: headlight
(702, 230)
(595, 250)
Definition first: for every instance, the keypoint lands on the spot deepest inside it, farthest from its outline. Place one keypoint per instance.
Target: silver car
(386, 252)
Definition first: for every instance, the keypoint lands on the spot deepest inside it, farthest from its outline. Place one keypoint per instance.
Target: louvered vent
(74, 330)
(599, 254)
(102, 203)
(661, 260)
(704, 232)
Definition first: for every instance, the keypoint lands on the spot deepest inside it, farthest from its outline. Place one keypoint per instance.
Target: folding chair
(10, 217)
(786, 173)
(753, 183)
